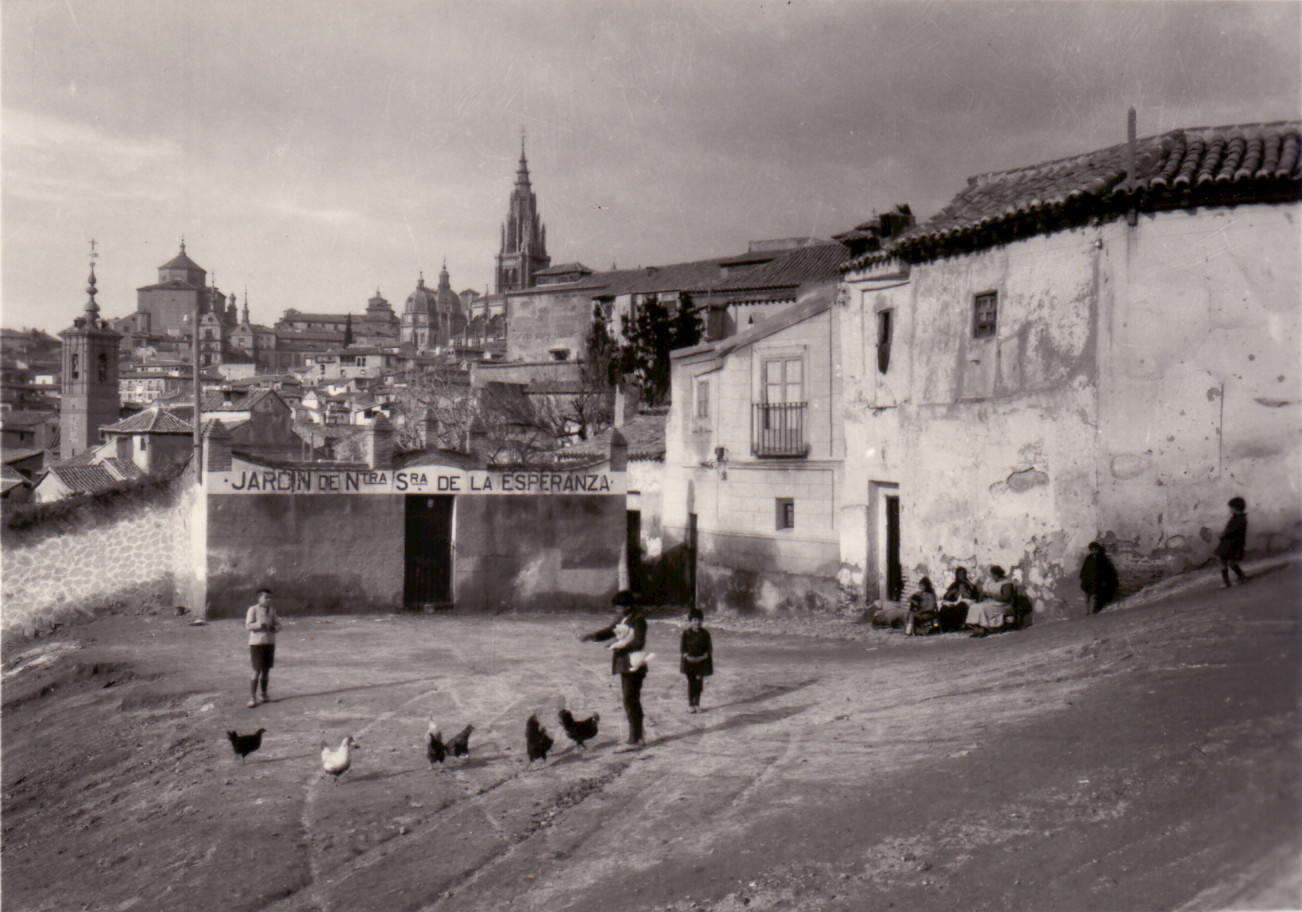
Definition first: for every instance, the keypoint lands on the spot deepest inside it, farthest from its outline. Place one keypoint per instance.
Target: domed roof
(420, 301)
(181, 261)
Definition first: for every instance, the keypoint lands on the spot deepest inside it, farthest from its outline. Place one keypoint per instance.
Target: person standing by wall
(261, 623)
(697, 661)
(627, 658)
(1233, 540)
(1098, 578)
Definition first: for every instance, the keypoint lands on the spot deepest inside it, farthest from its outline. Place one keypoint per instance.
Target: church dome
(420, 301)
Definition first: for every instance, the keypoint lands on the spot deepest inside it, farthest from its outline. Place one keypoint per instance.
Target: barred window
(985, 314)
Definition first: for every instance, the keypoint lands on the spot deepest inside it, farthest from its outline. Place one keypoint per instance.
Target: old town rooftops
(153, 420)
(809, 303)
(1225, 165)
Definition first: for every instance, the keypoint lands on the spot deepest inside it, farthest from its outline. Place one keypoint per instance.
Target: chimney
(216, 448)
(618, 451)
(429, 429)
(379, 444)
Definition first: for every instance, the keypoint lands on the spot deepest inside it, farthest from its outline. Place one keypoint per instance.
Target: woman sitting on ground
(923, 612)
(954, 606)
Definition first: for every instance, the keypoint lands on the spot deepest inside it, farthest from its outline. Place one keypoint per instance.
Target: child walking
(262, 624)
(1233, 540)
(698, 658)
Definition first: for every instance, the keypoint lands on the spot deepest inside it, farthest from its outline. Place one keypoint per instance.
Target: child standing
(698, 658)
(1233, 540)
(261, 623)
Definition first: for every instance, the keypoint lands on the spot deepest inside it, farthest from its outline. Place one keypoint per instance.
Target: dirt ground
(1146, 758)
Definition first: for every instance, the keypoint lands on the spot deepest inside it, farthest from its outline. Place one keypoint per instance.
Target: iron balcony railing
(779, 429)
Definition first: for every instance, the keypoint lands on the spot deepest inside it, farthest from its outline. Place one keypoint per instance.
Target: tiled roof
(181, 261)
(301, 317)
(153, 420)
(11, 478)
(697, 275)
(123, 469)
(174, 285)
(83, 478)
(817, 263)
(1188, 167)
(562, 269)
(27, 418)
(644, 433)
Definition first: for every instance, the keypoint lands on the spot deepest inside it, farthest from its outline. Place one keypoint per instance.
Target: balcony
(778, 429)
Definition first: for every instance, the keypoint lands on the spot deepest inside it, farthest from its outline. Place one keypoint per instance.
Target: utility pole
(197, 430)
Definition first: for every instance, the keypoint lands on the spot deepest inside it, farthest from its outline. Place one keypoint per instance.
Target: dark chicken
(536, 740)
(579, 730)
(245, 744)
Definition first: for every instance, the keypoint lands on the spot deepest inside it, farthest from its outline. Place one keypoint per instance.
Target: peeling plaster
(1025, 479)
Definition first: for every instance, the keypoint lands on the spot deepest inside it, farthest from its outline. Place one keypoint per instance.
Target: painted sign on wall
(431, 479)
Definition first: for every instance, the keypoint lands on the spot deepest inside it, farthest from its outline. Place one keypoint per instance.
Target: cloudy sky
(314, 150)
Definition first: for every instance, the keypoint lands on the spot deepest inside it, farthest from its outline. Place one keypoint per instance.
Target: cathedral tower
(90, 377)
(524, 237)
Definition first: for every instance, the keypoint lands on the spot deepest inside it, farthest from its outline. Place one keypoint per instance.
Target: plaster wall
(745, 561)
(542, 320)
(1201, 389)
(319, 554)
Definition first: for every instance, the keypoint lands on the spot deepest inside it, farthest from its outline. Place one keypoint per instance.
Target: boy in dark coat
(1233, 540)
(1098, 578)
(630, 678)
(697, 661)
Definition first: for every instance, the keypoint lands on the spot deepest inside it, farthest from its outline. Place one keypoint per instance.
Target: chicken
(579, 730)
(336, 761)
(245, 744)
(459, 746)
(536, 740)
(435, 749)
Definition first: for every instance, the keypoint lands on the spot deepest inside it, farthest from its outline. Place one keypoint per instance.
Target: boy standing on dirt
(262, 624)
(1233, 540)
(697, 661)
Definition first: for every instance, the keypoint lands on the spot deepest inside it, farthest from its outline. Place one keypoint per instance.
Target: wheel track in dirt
(310, 896)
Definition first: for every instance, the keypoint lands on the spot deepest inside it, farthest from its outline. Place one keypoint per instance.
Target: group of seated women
(965, 606)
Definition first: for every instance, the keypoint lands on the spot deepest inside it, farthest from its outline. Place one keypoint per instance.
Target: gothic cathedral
(524, 237)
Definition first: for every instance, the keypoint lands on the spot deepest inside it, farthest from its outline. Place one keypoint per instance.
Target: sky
(314, 151)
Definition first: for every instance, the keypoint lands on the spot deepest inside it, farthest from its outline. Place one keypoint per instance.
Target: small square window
(786, 510)
(985, 314)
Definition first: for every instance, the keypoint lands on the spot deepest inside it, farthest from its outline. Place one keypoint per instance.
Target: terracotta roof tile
(83, 478)
(1212, 165)
(819, 262)
(153, 420)
(644, 433)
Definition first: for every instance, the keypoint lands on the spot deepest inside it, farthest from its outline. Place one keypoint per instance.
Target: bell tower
(90, 376)
(524, 237)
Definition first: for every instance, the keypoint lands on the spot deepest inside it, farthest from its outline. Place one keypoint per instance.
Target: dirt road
(1142, 759)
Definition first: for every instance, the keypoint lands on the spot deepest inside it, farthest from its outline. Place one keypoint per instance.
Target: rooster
(459, 746)
(435, 749)
(579, 730)
(245, 744)
(536, 740)
(336, 761)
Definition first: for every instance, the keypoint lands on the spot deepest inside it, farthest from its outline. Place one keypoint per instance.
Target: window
(985, 313)
(786, 513)
(782, 380)
(703, 399)
(884, 331)
(76, 366)
(103, 367)
(144, 442)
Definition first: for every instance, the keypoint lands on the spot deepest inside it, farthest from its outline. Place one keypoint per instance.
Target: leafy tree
(654, 331)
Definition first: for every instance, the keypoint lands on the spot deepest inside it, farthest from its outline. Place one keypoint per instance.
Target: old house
(1099, 347)
(754, 460)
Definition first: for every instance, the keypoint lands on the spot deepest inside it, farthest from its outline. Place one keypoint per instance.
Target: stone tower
(524, 237)
(90, 377)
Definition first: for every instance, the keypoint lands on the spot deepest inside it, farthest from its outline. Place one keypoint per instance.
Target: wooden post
(1132, 215)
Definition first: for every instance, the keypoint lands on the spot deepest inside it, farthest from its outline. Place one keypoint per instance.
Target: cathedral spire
(245, 316)
(522, 173)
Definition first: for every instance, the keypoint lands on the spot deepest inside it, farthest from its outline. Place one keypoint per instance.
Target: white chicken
(336, 761)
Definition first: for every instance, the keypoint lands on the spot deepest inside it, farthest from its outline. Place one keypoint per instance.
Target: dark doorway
(894, 573)
(428, 582)
(691, 557)
(633, 547)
